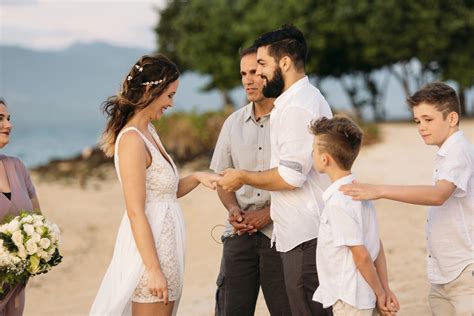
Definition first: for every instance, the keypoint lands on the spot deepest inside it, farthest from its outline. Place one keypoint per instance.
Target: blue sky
(56, 24)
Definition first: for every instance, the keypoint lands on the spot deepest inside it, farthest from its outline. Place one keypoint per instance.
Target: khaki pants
(343, 309)
(455, 298)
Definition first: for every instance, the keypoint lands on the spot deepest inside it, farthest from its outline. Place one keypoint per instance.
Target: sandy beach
(89, 219)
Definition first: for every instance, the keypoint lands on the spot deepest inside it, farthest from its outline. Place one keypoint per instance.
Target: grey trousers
(247, 263)
(301, 279)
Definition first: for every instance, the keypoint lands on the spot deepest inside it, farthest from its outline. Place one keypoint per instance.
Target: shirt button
(258, 194)
(259, 148)
(261, 126)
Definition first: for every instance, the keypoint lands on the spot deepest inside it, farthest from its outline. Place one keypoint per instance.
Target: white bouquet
(28, 247)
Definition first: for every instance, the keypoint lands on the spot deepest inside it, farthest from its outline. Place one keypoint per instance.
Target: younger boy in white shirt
(350, 258)
(450, 225)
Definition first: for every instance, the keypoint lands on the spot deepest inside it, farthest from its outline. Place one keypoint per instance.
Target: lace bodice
(161, 176)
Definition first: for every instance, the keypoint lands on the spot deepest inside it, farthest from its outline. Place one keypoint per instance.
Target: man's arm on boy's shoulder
(381, 266)
(365, 265)
(414, 194)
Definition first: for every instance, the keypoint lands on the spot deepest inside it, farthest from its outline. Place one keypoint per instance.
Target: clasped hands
(248, 221)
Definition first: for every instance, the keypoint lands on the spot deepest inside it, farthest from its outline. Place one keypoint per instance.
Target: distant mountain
(65, 88)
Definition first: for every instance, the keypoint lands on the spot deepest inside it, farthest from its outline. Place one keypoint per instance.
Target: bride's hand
(208, 179)
(157, 285)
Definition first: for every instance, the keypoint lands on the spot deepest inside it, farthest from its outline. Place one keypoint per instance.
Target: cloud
(49, 24)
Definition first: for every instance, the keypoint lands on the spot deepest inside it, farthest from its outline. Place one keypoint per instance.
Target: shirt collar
(291, 91)
(334, 187)
(250, 113)
(448, 143)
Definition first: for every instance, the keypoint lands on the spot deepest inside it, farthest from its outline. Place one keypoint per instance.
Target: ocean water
(37, 146)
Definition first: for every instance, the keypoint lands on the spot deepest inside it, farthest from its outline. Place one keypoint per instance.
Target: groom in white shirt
(296, 188)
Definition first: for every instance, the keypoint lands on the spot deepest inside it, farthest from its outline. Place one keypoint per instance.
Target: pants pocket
(220, 295)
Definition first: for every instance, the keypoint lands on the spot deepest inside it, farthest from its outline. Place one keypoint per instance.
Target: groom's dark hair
(287, 41)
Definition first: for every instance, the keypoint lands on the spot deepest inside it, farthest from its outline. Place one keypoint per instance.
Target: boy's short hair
(441, 96)
(340, 137)
(288, 41)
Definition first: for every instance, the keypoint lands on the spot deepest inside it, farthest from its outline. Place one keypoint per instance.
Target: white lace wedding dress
(125, 278)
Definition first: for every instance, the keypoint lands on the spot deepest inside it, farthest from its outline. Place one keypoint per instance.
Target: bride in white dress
(145, 276)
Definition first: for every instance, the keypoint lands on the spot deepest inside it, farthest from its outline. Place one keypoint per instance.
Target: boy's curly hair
(340, 137)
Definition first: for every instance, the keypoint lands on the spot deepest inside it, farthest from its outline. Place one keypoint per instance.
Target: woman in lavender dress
(16, 193)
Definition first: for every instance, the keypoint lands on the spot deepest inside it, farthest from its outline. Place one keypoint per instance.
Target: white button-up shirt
(295, 213)
(450, 227)
(244, 143)
(344, 223)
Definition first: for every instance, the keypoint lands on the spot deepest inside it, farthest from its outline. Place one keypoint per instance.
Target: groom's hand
(231, 180)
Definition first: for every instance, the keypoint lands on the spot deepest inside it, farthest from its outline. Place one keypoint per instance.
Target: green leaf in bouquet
(56, 258)
(33, 265)
(8, 242)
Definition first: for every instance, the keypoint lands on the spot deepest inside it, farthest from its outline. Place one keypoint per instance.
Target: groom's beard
(274, 87)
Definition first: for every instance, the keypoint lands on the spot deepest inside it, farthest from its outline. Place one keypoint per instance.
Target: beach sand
(89, 219)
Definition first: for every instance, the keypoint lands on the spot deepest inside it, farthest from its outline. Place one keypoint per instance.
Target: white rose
(29, 229)
(38, 217)
(31, 247)
(40, 230)
(43, 255)
(22, 252)
(44, 243)
(36, 237)
(27, 219)
(3, 228)
(38, 223)
(13, 226)
(17, 238)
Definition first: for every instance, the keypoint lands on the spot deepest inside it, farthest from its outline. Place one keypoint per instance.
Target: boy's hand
(392, 302)
(381, 303)
(387, 303)
(361, 191)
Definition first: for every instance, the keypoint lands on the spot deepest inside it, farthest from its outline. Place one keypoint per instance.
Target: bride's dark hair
(147, 79)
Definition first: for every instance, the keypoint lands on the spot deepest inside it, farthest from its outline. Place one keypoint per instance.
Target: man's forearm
(228, 199)
(269, 180)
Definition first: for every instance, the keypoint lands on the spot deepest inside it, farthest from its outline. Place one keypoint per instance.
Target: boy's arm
(414, 194)
(381, 266)
(364, 264)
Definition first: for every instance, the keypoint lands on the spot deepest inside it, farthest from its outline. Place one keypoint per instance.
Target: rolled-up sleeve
(295, 146)
(222, 158)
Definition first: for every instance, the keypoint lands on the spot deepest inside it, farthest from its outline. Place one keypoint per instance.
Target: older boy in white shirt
(350, 258)
(450, 225)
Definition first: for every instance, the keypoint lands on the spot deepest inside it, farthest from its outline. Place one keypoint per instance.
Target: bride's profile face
(5, 125)
(158, 107)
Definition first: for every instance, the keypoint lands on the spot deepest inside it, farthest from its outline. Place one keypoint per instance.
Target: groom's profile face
(270, 72)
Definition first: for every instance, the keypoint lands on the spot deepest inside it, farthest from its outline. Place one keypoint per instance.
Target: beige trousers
(455, 298)
(341, 308)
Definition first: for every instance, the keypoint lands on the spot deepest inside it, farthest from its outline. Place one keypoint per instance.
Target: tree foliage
(416, 41)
